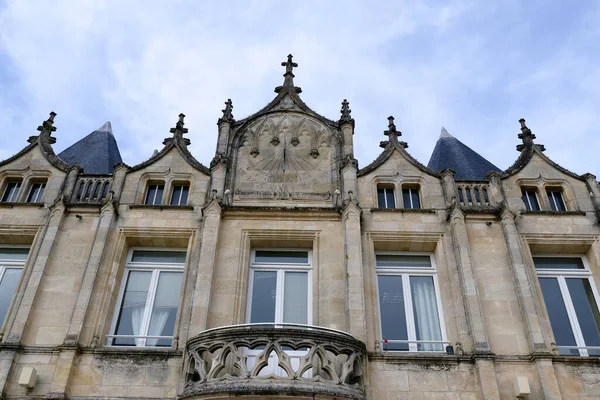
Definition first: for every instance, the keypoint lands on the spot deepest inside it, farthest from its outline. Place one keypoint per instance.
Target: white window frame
(155, 268)
(561, 275)
(385, 199)
(410, 193)
(281, 269)
(537, 198)
(12, 264)
(154, 199)
(15, 196)
(178, 202)
(406, 273)
(552, 199)
(38, 198)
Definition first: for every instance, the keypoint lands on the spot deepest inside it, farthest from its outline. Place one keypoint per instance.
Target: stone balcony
(274, 360)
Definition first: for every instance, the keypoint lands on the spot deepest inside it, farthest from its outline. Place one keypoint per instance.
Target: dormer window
(555, 197)
(179, 195)
(385, 196)
(36, 191)
(11, 191)
(410, 197)
(154, 194)
(530, 199)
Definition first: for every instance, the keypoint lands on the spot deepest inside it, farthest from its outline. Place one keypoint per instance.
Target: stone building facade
(282, 269)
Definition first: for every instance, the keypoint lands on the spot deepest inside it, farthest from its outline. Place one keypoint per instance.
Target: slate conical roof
(97, 153)
(449, 152)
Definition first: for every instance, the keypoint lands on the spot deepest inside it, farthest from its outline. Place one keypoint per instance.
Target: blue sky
(474, 67)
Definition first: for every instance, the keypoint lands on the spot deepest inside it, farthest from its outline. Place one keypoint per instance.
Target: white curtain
(137, 313)
(426, 312)
(157, 323)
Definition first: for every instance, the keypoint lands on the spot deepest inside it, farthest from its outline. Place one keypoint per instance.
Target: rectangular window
(149, 300)
(36, 192)
(556, 200)
(530, 199)
(11, 191)
(12, 261)
(385, 197)
(409, 303)
(410, 197)
(154, 194)
(571, 300)
(179, 195)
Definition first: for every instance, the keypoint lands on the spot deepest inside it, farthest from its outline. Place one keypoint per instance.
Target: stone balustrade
(474, 195)
(281, 359)
(91, 189)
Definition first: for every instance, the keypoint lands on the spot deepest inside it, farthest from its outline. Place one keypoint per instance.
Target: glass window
(556, 200)
(180, 195)
(410, 197)
(530, 199)
(36, 192)
(409, 303)
(12, 261)
(11, 191)
(150, 299)
(385, 197)
(154, 194)
(572, 303)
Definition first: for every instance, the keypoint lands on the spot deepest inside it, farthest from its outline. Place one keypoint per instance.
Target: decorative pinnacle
(527, 137)
(48, 125)
(288, 82)
(346, 112)
(393, 134)
(227, 112)
(179, 130)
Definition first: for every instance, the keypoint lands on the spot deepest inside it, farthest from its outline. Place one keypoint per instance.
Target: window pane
(402, 261)
(184, 195)
(11, 191)
(264, 289)
(556, 200)
(8, 285)
(380, 198)
(281, 256)
(587, 311)
(36, 192)
(13, 253)
(559, 319)
(295, 299)
(131, 313)
(530, 200)
(416, 201)
(406, 198)
(154, 195)
(393, 315)
(164, 311)
(389, 195)
(165, 257)
(558, 263)
(427, 321)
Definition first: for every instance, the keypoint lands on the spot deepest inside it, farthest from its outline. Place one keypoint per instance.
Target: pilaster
(496, 193)
(355, 288)
(118, 180)
(449, 187)
(70, 182)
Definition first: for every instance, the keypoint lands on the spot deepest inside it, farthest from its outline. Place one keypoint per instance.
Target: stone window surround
(133, 237)
(541, 185)
(17, 264)
(398, 182)
(27, 178)
(169, 181)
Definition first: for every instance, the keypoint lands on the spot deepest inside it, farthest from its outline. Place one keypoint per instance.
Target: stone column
(350, 185)
(496, 195)
(118, 181)
(594, 191)
(347, 128)
(206, 265)
(355, 284)
(223, 140)
(449, 187)
(70, 183)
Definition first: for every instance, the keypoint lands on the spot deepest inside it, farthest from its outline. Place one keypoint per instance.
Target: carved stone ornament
(314, 153)
(287, 104)
(272, 360)
(295, 141)
(275, 141)
(254, 152)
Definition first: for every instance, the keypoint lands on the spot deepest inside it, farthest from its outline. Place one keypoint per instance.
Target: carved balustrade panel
(91, 189)
(474, 195)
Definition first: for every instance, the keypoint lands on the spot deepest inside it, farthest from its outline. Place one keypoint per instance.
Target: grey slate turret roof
(97, 153)
(449, 152)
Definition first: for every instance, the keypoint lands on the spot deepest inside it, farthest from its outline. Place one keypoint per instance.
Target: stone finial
(46, 130)
(288, 82)
(346, 111)
(393, 135)
(227, 112)
(444, 133)
(179, 130)
(527, 137)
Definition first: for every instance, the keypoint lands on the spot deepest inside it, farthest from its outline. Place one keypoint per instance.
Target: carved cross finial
(288, 82)
(227, 112)
(46, 130)
(393, 134)
(527, 137)
(179, 130)
(346, 111)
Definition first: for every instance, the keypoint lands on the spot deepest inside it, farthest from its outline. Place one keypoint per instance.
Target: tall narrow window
(11, 191)
(385, 197)
(154, 194)
(530, 199)
(409, 303)
(149, 300)
(572, 303)
(410, 197)
(36, 192)
(556, 200)
(12, 260)
(179, 195)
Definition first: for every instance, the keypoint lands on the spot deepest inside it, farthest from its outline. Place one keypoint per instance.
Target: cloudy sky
(474, 67)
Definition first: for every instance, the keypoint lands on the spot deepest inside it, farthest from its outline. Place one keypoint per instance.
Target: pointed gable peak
(445, 134)
(106, 127)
